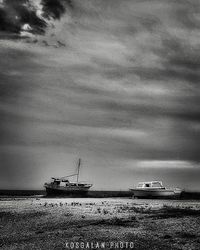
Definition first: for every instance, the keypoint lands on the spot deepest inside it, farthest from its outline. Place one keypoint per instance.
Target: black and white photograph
(99, 124)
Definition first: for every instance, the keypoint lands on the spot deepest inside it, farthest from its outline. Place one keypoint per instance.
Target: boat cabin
(65, 182)
(150, 184)
(56, 181)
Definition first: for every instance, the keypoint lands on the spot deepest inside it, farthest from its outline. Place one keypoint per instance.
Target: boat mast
(79, 164)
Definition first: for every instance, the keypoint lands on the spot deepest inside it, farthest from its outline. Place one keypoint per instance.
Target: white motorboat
(155, 189)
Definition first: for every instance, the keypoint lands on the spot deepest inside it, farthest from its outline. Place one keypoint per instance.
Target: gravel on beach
(54, 223)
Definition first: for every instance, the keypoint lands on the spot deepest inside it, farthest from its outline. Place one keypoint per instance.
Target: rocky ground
(41, 223)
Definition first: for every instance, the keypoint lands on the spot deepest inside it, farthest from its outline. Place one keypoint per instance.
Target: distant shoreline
(186, 195)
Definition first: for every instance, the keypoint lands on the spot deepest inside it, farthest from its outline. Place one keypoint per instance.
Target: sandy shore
(44, 223)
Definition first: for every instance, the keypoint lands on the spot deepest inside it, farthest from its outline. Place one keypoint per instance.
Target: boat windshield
(156, 184)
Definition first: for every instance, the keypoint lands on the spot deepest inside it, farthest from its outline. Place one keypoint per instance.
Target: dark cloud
(55, 8)
(14, 14)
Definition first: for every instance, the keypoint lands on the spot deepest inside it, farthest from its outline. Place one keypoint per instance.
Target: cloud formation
(113, 82)
(26, 18)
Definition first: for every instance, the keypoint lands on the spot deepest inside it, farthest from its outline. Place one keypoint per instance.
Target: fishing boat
(63, 186)
(154, 189)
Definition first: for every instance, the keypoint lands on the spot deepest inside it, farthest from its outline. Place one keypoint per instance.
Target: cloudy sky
(113, 82)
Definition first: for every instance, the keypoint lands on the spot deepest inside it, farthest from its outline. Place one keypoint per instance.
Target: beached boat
(155, 189)
(62, 185)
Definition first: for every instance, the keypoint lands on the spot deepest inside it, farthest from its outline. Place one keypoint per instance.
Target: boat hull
(62, 191)
(154, 193)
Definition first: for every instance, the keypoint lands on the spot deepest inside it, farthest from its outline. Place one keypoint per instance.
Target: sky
(115, 83)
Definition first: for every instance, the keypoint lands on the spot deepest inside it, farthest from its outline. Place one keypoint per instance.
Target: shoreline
(186, 195)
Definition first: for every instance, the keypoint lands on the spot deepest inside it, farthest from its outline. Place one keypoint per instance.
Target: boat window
(147, 185)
